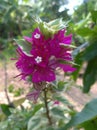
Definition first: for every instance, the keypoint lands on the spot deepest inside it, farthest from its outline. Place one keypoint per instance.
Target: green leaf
(79, 49)
(46, 31)
(57, 24)
(49, 128)
(78, 61)
(67, 62)
(37, 108)
(88, 113)
(2, 116)
(90, 75)
(4, 125)
(16, 128)
(18, 101)
(61, 85)
(82, 23)
(5, 108)
(34, 124)
(94, 15)
(90, 125)
(57, 112)
(62, 100)
(25, 46)
(11, 88)
(50, 28)
(90, 52)
(67, 46)
(7, 14)
(84, 31)
(54, 22)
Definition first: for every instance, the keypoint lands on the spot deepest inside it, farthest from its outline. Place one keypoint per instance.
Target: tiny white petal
(38, 59)
(37, 36)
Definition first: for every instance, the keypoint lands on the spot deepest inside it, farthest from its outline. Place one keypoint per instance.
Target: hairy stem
(46, 106)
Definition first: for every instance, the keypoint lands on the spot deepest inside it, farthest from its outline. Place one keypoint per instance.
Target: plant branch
(5, 89)
(46, 106)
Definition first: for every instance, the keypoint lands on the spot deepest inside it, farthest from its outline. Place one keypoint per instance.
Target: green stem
(46, 106)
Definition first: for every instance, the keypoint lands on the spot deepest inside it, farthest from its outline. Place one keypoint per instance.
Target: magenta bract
(45, 56)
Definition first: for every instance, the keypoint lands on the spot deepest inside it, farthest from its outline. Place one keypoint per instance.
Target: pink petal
(43, 75)
(68, 39)
(56, 102)
(28, 39)
(67, 68)
(33, 95)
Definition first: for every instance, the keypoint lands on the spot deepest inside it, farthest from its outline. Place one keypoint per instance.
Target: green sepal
(25, 46)
(50, 28)
(67, 46)
(67, 62)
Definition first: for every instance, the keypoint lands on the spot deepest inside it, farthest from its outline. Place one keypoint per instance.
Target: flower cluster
(46, 55)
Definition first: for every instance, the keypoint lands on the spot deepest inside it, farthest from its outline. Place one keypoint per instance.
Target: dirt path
(75, 95)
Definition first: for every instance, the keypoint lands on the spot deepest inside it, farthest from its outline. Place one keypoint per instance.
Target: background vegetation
(16, 20)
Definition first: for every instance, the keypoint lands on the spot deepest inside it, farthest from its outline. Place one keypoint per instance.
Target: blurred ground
(74, 94)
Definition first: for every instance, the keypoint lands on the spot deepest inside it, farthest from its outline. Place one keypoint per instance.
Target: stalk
(47, 108)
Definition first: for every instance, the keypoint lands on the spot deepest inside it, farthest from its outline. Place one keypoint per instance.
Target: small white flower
(37, 36)
(38, 59)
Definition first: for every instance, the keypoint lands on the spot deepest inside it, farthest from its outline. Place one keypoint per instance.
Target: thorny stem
(46, 106)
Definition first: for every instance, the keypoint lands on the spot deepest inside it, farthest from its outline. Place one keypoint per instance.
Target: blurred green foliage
(16, 20)
(86, 29)
(31, 116)
(16, 17)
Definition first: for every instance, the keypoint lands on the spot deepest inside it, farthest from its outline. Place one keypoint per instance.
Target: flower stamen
(37, 36)
(38, 59)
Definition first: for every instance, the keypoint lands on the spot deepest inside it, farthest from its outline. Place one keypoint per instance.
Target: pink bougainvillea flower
(33, 95)
(45, 57)
(56, 102)
(37, 38)
(35, 66)
(60, 38)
